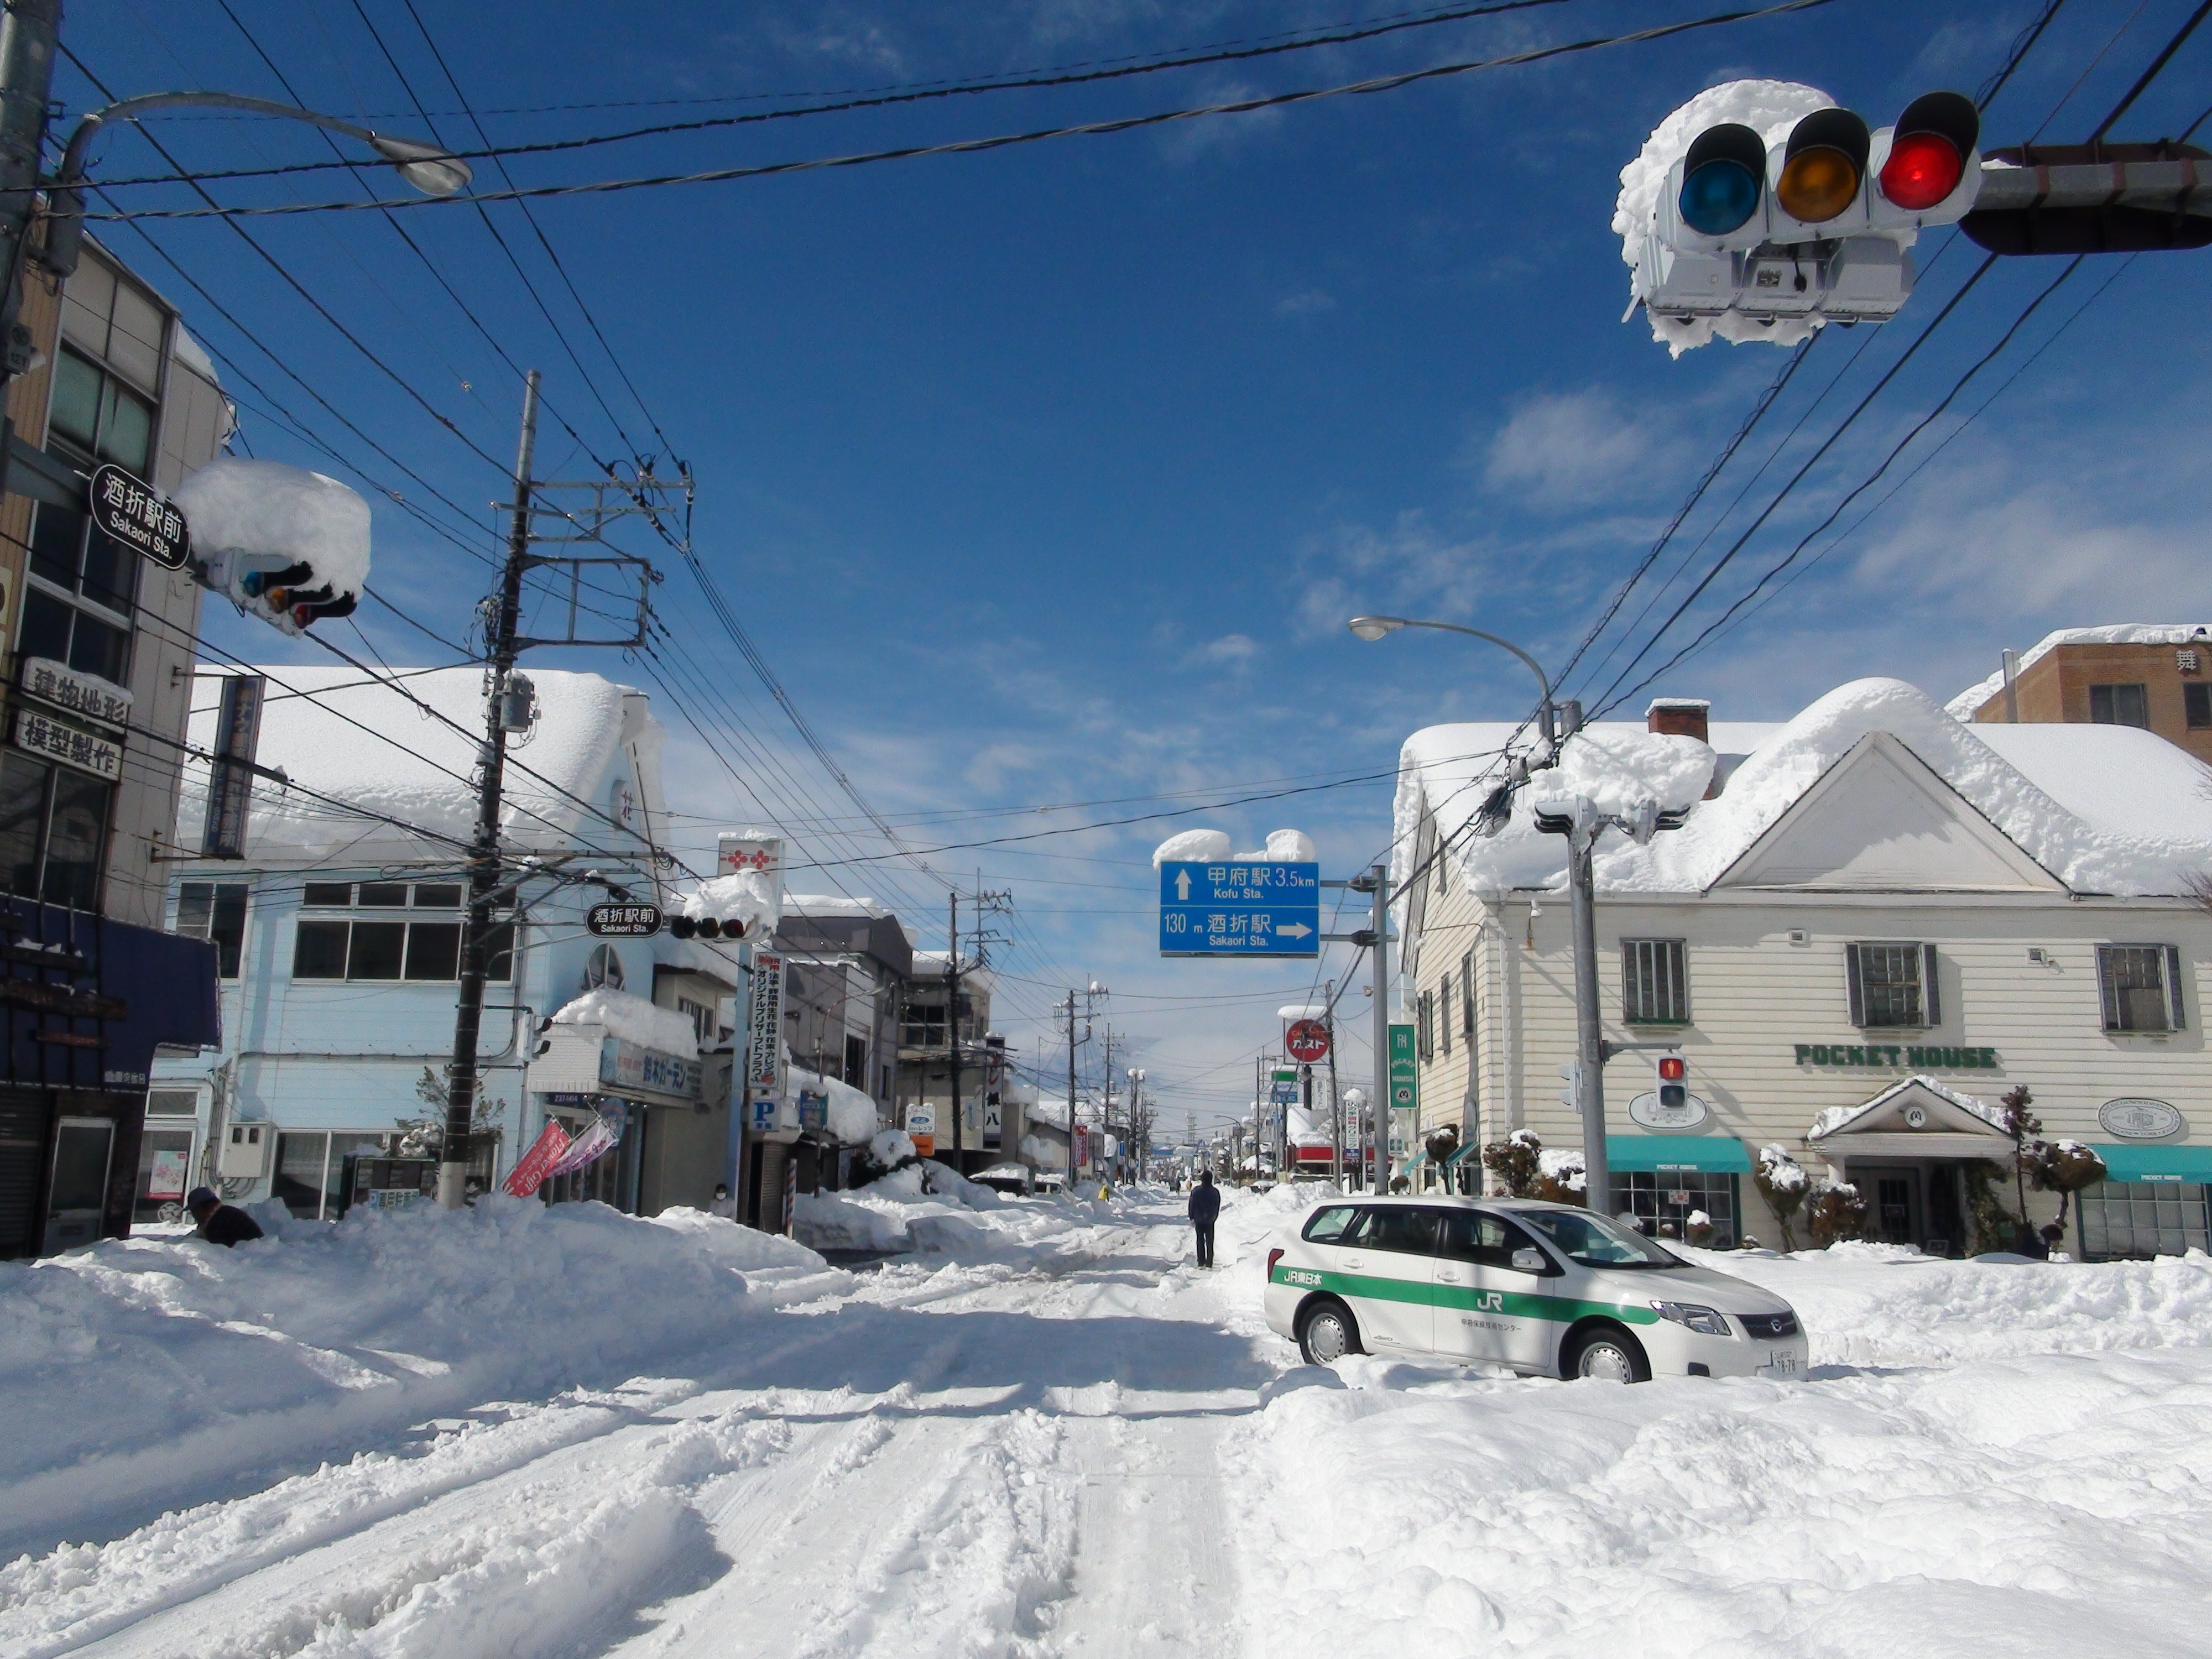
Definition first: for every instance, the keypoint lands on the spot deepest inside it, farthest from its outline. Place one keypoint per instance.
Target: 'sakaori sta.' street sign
(125, 508)
(623, 920)
(1246, 908)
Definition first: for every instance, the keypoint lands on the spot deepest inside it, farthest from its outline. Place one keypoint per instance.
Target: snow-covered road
(1064, 1440)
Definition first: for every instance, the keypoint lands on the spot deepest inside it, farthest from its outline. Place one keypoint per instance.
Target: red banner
(537, 1162)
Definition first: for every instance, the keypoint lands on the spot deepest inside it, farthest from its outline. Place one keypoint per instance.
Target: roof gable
(1880, 820)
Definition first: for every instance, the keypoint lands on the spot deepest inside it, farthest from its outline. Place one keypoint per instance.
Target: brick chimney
(1679, 717)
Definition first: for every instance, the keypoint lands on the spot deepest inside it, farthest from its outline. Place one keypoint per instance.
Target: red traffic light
(1673, 1068)
(1921, 170)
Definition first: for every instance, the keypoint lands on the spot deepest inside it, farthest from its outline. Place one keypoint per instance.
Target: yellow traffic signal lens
(1818, 184)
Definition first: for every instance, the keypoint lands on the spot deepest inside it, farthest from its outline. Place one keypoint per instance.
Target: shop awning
(1470, 1150)
(2141, 1163)
(1713, 1154)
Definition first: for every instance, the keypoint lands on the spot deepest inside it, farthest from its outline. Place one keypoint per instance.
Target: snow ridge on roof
(1444, 770)
(1963, 706)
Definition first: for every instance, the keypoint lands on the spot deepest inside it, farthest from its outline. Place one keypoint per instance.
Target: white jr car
(1548, 1290)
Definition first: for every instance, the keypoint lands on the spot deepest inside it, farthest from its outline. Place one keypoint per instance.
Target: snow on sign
(1240, 909)
(126, 509)
(1307, 1041)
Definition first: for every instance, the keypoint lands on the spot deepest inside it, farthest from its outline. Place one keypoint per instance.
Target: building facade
(101, 644)
(2153, 676)
(1879, 922)
(338, 938)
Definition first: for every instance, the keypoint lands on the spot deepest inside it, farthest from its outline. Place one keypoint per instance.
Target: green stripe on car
(1562, 1309)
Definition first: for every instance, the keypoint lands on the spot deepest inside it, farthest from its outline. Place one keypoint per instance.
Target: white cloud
(1566, 449)
(1235, 649)
(1307, 302)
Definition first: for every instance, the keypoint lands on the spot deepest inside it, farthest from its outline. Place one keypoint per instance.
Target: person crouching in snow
(220, 1223)
(1205, 1208)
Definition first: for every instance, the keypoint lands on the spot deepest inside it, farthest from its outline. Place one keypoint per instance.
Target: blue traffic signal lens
(1718, 196)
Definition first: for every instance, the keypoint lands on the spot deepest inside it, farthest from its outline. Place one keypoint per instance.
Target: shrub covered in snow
(1700, 1229)
(1560, 1177)
(2063, 1167)
(1514, 1162)
(1781, 1182)
(1836, 1213)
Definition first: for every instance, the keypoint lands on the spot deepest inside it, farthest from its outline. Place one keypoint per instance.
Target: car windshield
(1596, 1242)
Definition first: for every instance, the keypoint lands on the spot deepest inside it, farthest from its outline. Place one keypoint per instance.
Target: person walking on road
(1204, 1207)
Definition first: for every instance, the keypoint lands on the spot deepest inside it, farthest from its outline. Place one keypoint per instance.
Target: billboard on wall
(739, 852)
(764, 1073)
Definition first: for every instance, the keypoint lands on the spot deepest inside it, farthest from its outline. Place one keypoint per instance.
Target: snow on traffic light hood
(265, 508)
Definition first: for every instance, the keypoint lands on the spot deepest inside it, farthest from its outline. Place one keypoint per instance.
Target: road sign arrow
(1296, 930)
(1182, 886)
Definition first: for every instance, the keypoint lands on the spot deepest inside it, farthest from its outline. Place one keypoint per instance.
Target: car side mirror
(1529, 1262)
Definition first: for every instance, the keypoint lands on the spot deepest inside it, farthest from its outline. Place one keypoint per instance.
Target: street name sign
(126, 509)
(623, 920)
(1240, 909)
(1405, 1071)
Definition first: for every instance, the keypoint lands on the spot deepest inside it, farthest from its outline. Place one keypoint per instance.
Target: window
(1654, 989)
(2141, 986)
(1663, 1203)
(53, 832)
(165, 1158)
(311, 1170)
(2119, 705)
(2144, 1218)
(856, 1061)
(1327, 1226)
(427, 951)
(2196, 704)
(173, 1102)
(1488, 1241)
(923, 1027)
(1426, 1007)
(1467, 997)
(1444, 1016)
(1892, 985)
(215, 911)
(1400, 1228)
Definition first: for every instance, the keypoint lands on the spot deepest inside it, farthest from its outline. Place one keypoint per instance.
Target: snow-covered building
(100, 644)
(934, 1046)
(339, 935)
(1878, 920)
(2157, 675)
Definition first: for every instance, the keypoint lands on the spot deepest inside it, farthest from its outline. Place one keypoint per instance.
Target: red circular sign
(1308, 1040)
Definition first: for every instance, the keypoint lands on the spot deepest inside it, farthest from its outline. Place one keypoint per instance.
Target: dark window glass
(439, 894)
(45, 631)
(379, 950)
(22, 823)
(2119, 705)
(111, 572)
(97, 648)
(2134, 988)
(1653, 990)
(320, 952)
(2196, 705)
(1407, 1231)
(298, 1178)
(499, 954)
(433, 950)
(215, 911)
(1364, 1231)
(77, 836)
(1327, 1226)
(383, 895)
(338, 894)
(164, 1172)
(126, 428)
(76, 410)
(56, 536)
(1488, 1241)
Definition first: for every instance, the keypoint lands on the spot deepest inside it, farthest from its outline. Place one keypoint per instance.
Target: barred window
(1891, 984)
(1444, 1016)
(2141, 986)
(1426, 1007)
(1655, 989)
(1466, 996)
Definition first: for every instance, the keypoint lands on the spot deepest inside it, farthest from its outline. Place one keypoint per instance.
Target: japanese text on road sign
(1241, 909)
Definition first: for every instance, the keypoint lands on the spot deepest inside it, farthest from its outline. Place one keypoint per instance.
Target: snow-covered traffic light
(1760, 210)
(1671, 1078)
(283, 543)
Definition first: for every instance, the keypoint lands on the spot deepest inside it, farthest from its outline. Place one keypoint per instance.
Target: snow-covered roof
(341, 733)
(632, 1019)
(1963, 705)
(833, 904)
(2104, 809)
(929, 965)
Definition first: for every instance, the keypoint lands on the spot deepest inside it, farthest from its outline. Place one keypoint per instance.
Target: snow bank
(236, 505)
(632, 1019)
(852, 1112)
(747, 899)
(207, 1363)
(891, 1146)
(1964, 706)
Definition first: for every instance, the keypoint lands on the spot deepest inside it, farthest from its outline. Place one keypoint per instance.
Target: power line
(967, 146)
(2151, 73)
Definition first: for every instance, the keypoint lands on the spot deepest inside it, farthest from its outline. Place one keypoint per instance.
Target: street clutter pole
(952, 1010)
(30, 36)
(1380, 1106)
(1589, 1040)
(1068, 1187)
(483, 845)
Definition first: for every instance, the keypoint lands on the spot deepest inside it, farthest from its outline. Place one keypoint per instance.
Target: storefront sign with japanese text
(629, 1066)
(81, 694)
(126, 509)
(764, 1074)
(70, 745)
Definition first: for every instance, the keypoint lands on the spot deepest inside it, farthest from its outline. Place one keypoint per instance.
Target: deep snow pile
(930, 1209)
(296, 1345)
(237, 505)
(632, 1019)
(745, 904)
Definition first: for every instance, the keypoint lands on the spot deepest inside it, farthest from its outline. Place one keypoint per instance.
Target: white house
(1879, 920)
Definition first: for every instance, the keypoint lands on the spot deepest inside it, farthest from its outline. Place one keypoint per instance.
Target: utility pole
(1589, 1037)
(952, 1010)
(1335, 1101)
(30, 37)
(1071, 1091)
(483, 845)
(1379, 1138)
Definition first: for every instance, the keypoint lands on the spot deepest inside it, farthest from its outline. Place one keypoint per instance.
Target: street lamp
(1374, 627)
(431, 168)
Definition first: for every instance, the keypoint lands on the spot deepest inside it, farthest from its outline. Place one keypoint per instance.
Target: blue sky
(1047, 475)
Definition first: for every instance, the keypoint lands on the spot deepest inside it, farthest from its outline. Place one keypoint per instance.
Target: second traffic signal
(1671, 1077)
(281, 543)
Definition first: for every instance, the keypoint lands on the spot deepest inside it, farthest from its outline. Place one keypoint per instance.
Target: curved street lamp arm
(1535, 667)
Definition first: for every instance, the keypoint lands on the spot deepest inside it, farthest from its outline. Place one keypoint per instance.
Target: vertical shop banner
(1404, 1070)
(764, 1073)
(921, 1128)
(598, 1139)
(532, 1168)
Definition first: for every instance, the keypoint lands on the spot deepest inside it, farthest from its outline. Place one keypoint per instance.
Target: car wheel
(1328, 1334)
(1608, 1354)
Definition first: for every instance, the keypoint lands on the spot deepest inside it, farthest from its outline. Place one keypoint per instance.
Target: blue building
(339, 936)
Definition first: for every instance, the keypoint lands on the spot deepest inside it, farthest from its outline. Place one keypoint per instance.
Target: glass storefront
(311, 1170)
(1663, 1202)
(2138, 1219)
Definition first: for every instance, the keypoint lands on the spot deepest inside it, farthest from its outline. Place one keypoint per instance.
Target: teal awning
(2137, 1162)
(1467, 1151)
(1713, 1154)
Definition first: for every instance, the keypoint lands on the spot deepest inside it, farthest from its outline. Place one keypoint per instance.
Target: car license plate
(1780, 1364)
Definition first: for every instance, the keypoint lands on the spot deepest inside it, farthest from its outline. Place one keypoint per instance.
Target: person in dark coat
(220, 1223)
(1204, 1207)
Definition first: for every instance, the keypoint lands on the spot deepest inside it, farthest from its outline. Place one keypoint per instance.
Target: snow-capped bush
(1560, 1177)
(1513, 1161)
(1836, 1213)
(1700, 1228)
(1782, 1182)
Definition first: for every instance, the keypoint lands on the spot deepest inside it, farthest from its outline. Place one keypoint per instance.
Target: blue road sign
(1240, 910)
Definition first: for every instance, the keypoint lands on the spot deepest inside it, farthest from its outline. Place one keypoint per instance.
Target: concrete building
(2156, 676)
(933, 1044)
(339, 935)
(1880, 921)
(101, 644)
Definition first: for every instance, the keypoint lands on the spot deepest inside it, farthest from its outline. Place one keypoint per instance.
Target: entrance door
(1486, 1307)
(1893, 1206)
(77, 1195)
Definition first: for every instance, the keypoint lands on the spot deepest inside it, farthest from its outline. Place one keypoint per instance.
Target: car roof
(1452, 1199)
